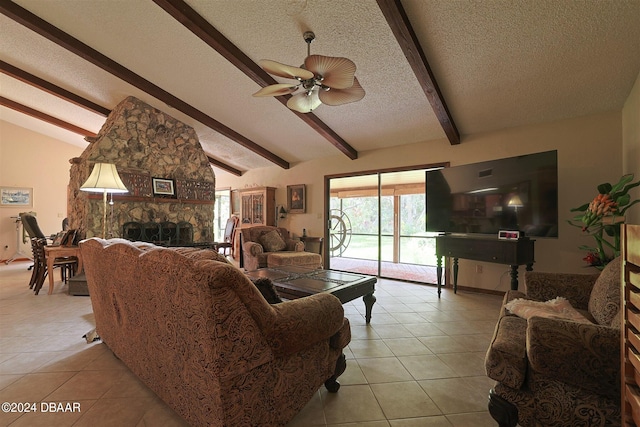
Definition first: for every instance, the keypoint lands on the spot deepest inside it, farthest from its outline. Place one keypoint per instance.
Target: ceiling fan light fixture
(336, 72)
(283, 70)
(335, 97)
(304, 102)
(325, 79)
(277, 90)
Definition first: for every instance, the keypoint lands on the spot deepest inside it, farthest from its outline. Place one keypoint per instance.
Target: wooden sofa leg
(505, 413)
(332, 383)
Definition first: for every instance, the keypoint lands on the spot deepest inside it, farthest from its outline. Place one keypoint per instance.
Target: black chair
(30, 224)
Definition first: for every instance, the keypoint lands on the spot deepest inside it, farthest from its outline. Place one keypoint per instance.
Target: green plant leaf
(622, 211)
(581, 208)
(604, 188)
(625, 190)
(623, 200)
(624, 179)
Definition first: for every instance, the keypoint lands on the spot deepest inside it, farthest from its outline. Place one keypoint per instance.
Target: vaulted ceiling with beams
(431, 69)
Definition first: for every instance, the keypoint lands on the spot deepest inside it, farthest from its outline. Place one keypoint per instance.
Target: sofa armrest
(300, 323)
(574, 287)
(582, 354)
(252, 248)
(295, 245)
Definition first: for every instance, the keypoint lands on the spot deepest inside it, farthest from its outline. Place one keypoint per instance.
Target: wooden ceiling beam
(44, 117)
(64, 94)
(49, 87)
(224, 166)
(54, 34)
(405, 35)
(199, 26)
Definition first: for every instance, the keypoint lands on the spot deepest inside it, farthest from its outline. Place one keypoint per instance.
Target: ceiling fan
(323, 79)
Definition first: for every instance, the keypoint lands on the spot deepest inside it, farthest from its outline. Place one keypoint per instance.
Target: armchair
(552, 371)
(267, 246)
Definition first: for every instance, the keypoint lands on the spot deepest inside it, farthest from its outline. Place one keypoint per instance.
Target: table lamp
(104, 178)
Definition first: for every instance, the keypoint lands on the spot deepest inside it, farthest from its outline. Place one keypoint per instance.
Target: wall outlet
(478, 268)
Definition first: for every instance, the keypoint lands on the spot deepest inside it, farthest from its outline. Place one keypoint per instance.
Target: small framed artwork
(296, 198)
(164, 187)
(16, 197)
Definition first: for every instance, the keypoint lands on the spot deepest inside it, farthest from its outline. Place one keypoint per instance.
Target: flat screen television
(517, 193)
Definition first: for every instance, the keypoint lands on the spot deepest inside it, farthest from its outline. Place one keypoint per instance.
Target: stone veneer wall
(144, 143)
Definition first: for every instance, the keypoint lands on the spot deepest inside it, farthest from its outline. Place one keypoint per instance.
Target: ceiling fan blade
(304, 102)
(277, 90)
(342, 96)
(282, 70)
(337, 72)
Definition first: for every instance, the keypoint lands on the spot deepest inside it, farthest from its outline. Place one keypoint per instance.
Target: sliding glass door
(377, 226)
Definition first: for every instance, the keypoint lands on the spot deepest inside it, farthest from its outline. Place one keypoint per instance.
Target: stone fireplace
(162, 164)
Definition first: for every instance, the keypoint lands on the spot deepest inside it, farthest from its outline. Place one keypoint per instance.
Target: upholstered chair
(559, 368)
(266, 246)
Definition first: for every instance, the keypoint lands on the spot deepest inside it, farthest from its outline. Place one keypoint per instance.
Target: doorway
(377, 225)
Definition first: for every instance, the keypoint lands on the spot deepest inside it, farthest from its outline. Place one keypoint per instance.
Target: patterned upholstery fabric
(559, 372)
(255, 255)
(604, 302)
(272, 241)
(199, 334)
(300, 259)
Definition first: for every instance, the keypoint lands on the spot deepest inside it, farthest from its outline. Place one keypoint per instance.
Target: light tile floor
(419, 362)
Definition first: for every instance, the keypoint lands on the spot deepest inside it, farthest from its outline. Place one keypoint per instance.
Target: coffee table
(297, 282)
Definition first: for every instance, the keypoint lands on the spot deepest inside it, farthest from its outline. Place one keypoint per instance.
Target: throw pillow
(268, 291)
(557, 308)
(272, 241)
(604, 302)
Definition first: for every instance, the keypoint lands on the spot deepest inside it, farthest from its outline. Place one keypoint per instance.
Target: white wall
(589, 153)
(29, 159)
(631, 142)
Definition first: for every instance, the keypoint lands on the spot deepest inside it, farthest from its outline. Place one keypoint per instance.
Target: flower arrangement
(601, 219)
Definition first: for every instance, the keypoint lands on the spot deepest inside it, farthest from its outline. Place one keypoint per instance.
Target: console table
(488, 249)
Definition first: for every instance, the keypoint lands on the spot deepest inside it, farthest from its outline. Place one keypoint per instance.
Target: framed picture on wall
(18, 197)
(164, 187)
(296, 198)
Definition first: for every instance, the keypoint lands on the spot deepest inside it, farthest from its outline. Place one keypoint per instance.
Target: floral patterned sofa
(558, 369)
(199, 334)
(267, 246)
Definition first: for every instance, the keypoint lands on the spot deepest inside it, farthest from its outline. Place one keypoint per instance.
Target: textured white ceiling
(499, 64)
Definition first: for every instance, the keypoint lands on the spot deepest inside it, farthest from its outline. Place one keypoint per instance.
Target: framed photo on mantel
(296, 198)
(164, 187)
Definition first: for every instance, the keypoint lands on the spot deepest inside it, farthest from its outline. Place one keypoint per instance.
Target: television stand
(487, 249)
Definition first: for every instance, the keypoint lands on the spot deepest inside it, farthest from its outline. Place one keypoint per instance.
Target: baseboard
(480, 290)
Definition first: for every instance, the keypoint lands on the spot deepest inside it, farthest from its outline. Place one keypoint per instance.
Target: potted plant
(601, 218)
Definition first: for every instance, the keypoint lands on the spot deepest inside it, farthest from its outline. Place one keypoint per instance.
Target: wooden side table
(53, 252)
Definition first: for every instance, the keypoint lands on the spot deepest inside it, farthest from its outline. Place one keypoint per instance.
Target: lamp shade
(515, 201)
(104, 177)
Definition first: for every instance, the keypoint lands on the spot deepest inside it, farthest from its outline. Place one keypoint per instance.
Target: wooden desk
(487, 249)
(53, 252)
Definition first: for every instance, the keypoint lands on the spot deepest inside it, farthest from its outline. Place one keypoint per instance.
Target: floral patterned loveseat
(552, 370)
(199, 334)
